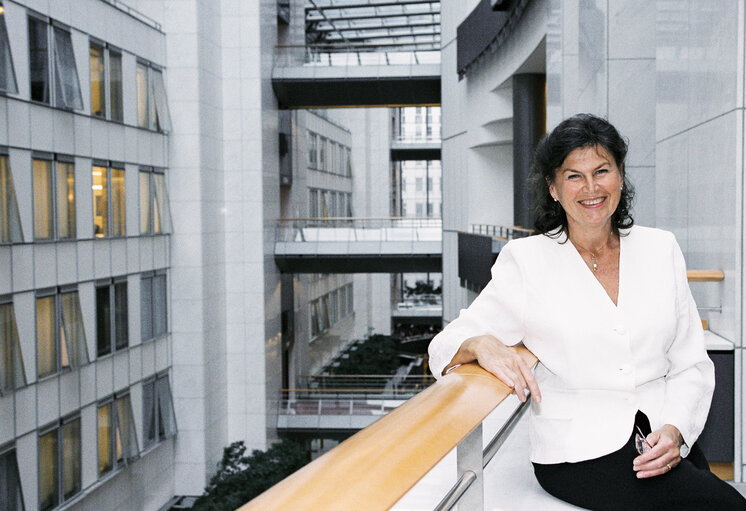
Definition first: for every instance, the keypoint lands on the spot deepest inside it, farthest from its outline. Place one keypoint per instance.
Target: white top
(599, 363)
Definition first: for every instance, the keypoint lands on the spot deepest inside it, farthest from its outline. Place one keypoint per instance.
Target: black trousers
(609, 483)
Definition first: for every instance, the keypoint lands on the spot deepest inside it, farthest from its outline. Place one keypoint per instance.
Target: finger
(671, 459)
(658, 471)
(528, 377)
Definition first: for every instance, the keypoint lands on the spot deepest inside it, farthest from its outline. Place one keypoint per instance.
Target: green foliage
(422, 288)
(379, 354)
(240, 478)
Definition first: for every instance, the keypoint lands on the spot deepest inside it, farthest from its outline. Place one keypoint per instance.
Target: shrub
(241, 478)
(379, 354)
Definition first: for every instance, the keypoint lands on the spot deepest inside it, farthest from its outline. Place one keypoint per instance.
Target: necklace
(594, 261)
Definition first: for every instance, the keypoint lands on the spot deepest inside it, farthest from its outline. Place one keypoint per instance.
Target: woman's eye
(573, 176)
(602, 171)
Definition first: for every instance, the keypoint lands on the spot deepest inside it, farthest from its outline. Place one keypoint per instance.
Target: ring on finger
(669, 466)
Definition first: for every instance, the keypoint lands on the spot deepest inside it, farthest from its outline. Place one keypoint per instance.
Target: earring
(621, 188)
(555, 199)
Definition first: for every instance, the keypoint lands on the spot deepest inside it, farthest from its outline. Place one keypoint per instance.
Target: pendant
(594, 262)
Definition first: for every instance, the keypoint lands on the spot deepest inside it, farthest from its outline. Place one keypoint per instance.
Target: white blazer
(599, 363)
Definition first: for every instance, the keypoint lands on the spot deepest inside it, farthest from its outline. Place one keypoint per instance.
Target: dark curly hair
(579, 131)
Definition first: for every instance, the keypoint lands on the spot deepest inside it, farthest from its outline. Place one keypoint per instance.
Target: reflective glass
(115, 86)
(66, 81)
(10, 223)
(46, 343)
(100, 189)
(48, 471)
(104, 420)
(118, 226)
(143, 119)
(120, 316)
(103, 321)
(38, 60)
(145, 225)
(162, 117)
(161, 214)
(71, 459)
(43, 197)
(12, 374)
(146, 309)
(73, 339)
(7, 74)
(66, 199)
(98, 80)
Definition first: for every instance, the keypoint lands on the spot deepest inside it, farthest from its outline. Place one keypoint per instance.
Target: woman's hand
(664, 455)
(500, 360)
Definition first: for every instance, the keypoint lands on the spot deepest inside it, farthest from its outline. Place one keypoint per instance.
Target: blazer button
(625, 369)
(620, 330)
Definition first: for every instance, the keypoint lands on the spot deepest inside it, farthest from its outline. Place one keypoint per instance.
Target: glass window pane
(104, 439)
(160, 305)
(98, 80)
(10, 223)
(145, 226)
(10, 484)
(38, 60)
(161, 215)
(71, 459)
(148, 413)
(120, 315)
(48, 471)
(117, 202)
(162, 117)
(142, 96)
(115, 86)
(127, 448)
(100, 201)
(46, 343)
(166, 419)
(146, 309)
(73, 333)
(67, 86)
(66, 199)
(7, 75)
(43, 220)
(12, 374)
(103, 321)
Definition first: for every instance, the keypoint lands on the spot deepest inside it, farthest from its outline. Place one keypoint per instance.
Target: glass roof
(374, 25)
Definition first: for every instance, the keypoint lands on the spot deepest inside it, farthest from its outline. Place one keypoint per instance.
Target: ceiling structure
(374, 25)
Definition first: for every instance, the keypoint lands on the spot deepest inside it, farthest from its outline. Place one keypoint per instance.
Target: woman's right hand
(502, 361)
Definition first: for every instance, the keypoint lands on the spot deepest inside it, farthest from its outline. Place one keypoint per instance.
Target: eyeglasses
(641, 443)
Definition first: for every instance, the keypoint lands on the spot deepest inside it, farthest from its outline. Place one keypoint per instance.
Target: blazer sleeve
(690, 380)
(497, 311)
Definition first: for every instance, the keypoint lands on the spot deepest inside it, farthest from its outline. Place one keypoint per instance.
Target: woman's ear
(552, 191)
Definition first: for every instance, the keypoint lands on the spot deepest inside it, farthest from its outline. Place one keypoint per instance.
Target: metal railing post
(469, 459)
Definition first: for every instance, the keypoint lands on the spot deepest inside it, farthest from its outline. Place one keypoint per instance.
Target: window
(59, 464)
(154, 214)
(54, 190)
(313, 210)
(152, 108)
(348, 162)
(159, 421)
(106, 88)
(313, 143)
(7, 74)
(153, 306)
(55, 69)
(418, 184)
(10, 484)
(10, 221)
(108, 200)
(12, 374)
(60, 337)
(111, 317)
(117, 439)
(322, 153)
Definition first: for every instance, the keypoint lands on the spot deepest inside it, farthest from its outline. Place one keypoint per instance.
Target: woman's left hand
(663, 456)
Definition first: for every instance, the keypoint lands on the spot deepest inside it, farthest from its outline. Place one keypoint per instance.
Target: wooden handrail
(375, 467)
(705, 275)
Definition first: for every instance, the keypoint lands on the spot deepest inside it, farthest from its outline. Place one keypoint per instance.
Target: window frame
(58, 427)
(55, 207)
(56, 90)
(160, 276)
(118, 430)
(107, 91)
(156, 114)
(158, 207)
(75, 358)
(10, 450)
(157, 412)
(112, 206)
(15, 353)
(114, 313)
(11, 230)
(11, 80)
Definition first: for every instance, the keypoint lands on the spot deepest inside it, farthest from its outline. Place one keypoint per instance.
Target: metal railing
(366, 381)
(333, 406)
(501, 232)
(335, 229)
(329, 55)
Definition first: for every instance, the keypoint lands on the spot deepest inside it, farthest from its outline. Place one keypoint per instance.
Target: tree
(241, 478)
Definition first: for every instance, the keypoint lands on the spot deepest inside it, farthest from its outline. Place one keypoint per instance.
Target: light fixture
(2, 9)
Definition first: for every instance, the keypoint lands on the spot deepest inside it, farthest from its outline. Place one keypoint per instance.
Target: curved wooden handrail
(705, 275)
(375, 467)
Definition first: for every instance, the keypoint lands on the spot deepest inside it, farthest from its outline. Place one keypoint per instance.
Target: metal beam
(371, 4)
(373, 16)
(374, 27)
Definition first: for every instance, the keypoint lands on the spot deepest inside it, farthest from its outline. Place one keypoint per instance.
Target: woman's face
(588, 186)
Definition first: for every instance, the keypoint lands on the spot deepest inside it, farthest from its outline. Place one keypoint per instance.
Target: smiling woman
(615, 358)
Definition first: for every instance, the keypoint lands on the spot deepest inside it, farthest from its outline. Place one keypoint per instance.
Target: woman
(606, 308)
